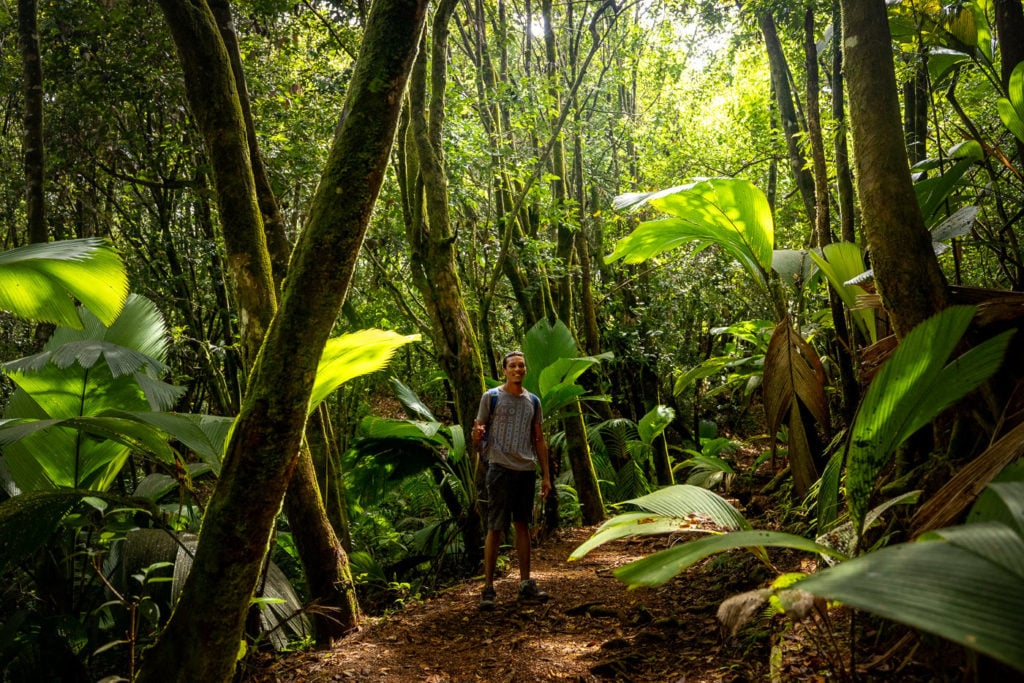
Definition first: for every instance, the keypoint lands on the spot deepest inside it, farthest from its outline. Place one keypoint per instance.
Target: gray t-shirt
(510, 429)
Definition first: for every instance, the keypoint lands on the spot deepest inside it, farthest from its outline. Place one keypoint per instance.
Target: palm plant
(932, 586)
(83, 407)
(625, 452)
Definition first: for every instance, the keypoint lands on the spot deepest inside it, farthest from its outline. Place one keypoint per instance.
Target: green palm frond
(38, 281)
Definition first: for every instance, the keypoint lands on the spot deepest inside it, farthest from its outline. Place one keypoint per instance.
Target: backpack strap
(493, 393)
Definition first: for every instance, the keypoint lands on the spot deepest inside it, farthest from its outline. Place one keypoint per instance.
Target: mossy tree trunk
(201, 640)
(432, 242)
(319, 543)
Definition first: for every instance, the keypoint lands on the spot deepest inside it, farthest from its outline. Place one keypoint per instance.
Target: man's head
(513, 365)
(509, 356)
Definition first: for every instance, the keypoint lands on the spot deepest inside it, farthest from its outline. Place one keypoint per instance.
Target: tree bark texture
(213, 97)
(435, 271)
(201, 639)
(907, 272)
(787, 112)
(319, 547)
(32, 118)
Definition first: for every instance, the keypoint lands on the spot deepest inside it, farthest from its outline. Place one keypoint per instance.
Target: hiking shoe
(487, 598)
(528, 591)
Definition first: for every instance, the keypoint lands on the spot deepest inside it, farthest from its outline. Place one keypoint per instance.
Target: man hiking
(508, 424)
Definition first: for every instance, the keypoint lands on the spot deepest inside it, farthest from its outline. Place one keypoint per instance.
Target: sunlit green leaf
(38, 281)
(353, 355)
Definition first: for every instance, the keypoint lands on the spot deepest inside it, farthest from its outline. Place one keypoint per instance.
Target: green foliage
(1011, 107)
(554, 365)
(354, 355)
(964, 583)
(741, 364)
(729, 212)
(86, 373)
(38, 281)
(917, 383)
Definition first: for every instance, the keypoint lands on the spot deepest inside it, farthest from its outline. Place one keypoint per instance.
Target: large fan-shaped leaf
(683, 500)
(38, 281)
(729, 212)
(937, 587)
(913, 387)
(353, 355)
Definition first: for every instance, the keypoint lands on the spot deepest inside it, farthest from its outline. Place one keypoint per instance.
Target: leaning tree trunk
(217, 111)
(200, 642)
(787, 112)
(906, 270)
(319, 544)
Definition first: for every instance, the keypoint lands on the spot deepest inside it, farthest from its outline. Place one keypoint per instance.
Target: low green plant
(928, 585)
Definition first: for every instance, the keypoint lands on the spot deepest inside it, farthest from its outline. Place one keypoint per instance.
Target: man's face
(515, 368)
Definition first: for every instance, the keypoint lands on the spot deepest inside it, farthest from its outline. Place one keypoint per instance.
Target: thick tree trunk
(201, 640)
(319, 542)
(435, 271)
(787, 112)
(32, 118)
(906, 271)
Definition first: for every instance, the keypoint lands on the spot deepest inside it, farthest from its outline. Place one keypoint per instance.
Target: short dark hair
(511, 354)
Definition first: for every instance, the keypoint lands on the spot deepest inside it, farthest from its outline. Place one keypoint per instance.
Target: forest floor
(592, 629)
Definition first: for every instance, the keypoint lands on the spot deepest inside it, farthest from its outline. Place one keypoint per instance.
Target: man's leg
(491, 545)
(522, 549)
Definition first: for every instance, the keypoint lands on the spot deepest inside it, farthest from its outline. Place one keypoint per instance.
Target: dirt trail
(592, 629)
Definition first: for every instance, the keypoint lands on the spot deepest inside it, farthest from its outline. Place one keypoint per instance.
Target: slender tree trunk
(916, 97)
(324, 559)
(200, 642)
(32, 117)
(273, 222)
(906, 270)
(435, 271)
(844, 178)
(211, 89)
(787, 112)
(823, 221)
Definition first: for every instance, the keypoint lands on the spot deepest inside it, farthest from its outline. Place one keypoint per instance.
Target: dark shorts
(509, 496)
